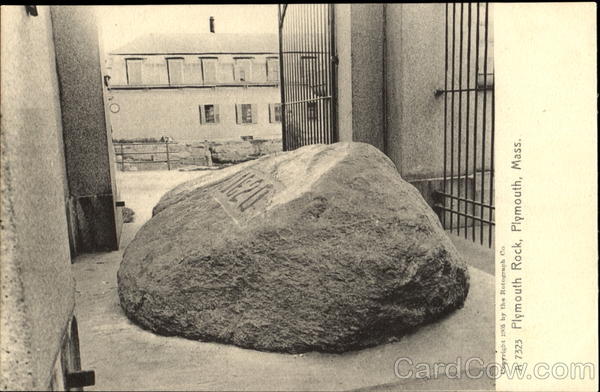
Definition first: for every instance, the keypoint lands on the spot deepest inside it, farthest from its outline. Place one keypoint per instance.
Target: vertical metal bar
(304, 76)
(282, 74)
(168, 157)
(298, 106)
(310, 91)
(289, 80)
(333, 75)
(328, 64)
(289, 73)
(122, 158)
(307, 80)
(281, 81)
(303, 85)
(289, 59)
(484, 125)
(474, 193)
(320, 73)
(281, 78)
(316, 92)
(452, 119)
(302, 114)
(467, 120)
(491, 198)
(321, 63)
(443, 211)
(327, 74)
(168, 161)
(296, 76)
(460, 88)
(295, 71)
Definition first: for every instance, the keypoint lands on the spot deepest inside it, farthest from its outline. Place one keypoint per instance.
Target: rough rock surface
(324, 248)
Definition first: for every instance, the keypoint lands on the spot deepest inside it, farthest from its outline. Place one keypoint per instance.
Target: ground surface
(126, 357)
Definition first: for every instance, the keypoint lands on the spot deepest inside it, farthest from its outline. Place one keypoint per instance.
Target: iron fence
(307, 74)
(157, 148)
(466, 203)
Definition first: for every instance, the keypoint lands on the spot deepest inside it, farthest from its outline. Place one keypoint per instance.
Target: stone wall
(37, 284)
(241, 151)
(185, 154)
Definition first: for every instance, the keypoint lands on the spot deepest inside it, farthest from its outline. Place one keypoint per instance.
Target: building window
(243, 69)
(272, 69)
(275, 112)
(246, 113)
(209, 70)
(175, 70)
(209, 114)
(311, 109)
(134, 71)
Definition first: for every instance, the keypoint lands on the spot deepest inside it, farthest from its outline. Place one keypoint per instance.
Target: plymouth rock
(324, 248)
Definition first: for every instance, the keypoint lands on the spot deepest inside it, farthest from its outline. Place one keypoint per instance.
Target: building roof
(200, 43)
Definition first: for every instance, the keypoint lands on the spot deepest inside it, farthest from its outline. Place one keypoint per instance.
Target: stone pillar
(359, 34)
(415, 35)
(36, 279)
(87, 137)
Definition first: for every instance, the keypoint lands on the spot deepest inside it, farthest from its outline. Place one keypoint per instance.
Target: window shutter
(160, 73)
(254, 113)
(209, 70)
(271, 113)
(134, 71)
(238, 114)
(201, 108)
(236, 70)
(272, 69)
(277, 112)
(175, 67)
(216, 108)
(193, 73)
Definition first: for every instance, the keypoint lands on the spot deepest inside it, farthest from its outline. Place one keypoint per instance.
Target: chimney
(211, 22)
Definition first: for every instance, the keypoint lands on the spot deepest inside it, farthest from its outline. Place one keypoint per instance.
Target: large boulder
(324, 248)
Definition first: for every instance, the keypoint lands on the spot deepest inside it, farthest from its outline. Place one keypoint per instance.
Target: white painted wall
(154, 68)
(174, 112)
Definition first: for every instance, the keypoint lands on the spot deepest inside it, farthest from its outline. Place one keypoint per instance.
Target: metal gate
(466, 203)
(307, 74)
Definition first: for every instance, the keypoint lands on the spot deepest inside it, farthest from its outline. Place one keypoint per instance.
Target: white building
(196, 87)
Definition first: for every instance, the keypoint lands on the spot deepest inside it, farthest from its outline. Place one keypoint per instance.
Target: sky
(121, 24)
